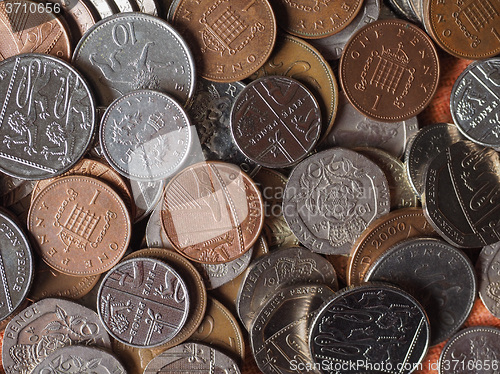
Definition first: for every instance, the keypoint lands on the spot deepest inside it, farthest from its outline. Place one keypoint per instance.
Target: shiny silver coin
(192, 358)
(149, 7)
(126, 6)
(426, 144)
(331, 197)
(80, 359)
(277, 270)
(475, 102)
(489, 277)
(135, 51)
(280, 332)
(47, 120)
(146, 196)
(370, 329)
(104, 8)
(145, 135)
(437, 274)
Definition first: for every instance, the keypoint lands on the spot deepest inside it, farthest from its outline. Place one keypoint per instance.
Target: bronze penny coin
(30, 27)
(143, 302)
(381, 235)
(389, 70)
(212, 212)
(81, 225)
(231, 39)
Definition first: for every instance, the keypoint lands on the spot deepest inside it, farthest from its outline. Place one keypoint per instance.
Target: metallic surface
(155, 235)
(489, 278)
(80, 15)
(146, 197)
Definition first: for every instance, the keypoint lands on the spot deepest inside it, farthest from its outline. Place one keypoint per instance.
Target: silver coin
(404, 9)
(134, 51)
(426, 144)
(279, 336)
(145, 135)
(171, 9)
(353, 129)
(331, 47)
(277, 270)
(146, 197)
(331, 197)
(80, 359)
(475, 102)
(45, 326)
(47, 120)
(125, 6)
(155, 235)
(489, 277)
(8, 184)
(104, 8)
(148, 6)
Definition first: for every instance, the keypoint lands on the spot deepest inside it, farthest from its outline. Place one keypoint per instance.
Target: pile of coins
(185, 187)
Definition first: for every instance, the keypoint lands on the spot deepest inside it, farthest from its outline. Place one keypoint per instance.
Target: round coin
(47, 119)
(331, 197)
(145, 135)
(489, 278)
(389, 70)
(81, 225)
(276, 121)
(143, 302)
(80, 15)
(146, 197)
(212, 212)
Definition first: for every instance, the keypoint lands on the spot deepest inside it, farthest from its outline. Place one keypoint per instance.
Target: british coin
(26, 29)
(423, 147)
(331, 47)
(155, 235)
(294, 58)
(145, 135)
(212, 212)
(104, 8)
(8, 184)
(279, 335)
(143, 302)
(459, 197)
(47, 117)
(230, 42)
(381, 235)
(149, 7)
(276, 121)
(331, 197)
(210, 112)
(370, 328)
(146, 195)
(16, 265)
(475, 101)
(80, 15)
(45, 326)
(395, 49)
(469, 349)
(127, 52)
(405, 10)
(126, 5)
(81, 225)
(18, 194)
(340, 264)
(489, 278)
(354, 129)
(192, 357)
(277, 270)
(437, 274)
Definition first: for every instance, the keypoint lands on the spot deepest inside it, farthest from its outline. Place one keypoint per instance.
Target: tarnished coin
(45, 326)
(488, 275)
(354, 129)
(8, 184)
(331, 197)
(277, 270)
(212, 212)
(370, 329)
(423, 147)
(16, 265)
(135, 51)
(280, 332)
(80, 359)
(145, 135)
(80, 15)
(81, 225)
(231, 40)
(276, 121)
(146, 195)
(27, 27)
(381, 235)
(47, 117)
(475, 101)
(389, 70)
(460, 199)
(437, 274)
(473, 350)
(143, 302)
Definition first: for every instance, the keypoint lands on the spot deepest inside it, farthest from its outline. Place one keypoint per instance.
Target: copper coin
(212, 212)
(389, 70)
(143, 302)
(31, 27)
(381, 235)
(231, 39)
(276, 121)
(81, 225)
(465, 29)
